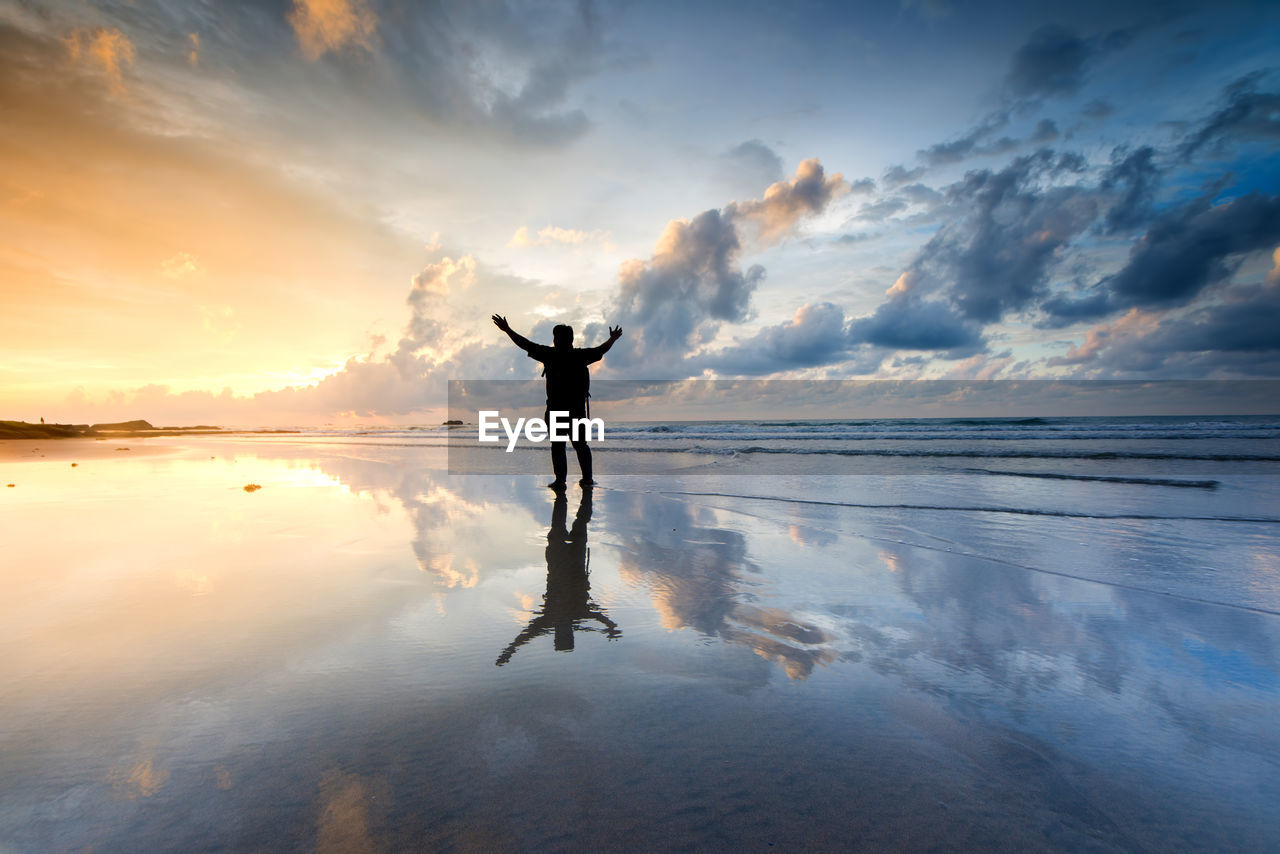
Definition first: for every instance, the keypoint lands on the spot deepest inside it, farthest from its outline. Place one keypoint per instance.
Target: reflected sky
(311, 665)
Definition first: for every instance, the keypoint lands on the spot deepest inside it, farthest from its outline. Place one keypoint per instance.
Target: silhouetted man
(567, 604)
(568, 383)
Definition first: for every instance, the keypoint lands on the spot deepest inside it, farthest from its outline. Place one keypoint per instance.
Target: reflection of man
(568, 600)
(568, 380)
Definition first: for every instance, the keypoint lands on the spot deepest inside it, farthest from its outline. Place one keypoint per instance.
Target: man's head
(562, 336)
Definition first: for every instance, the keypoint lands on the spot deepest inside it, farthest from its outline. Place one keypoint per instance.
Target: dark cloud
(895, 175)
(1097, 110)
(1246, 320)
(1247, 115)
(1046, 131)
(995, 258)
(862, 186)
(1063, 310)
(1190, 247)
(907, 323)
(1055, 60)
(1186, 250)
(1135, 177)
(815, 336)
(1052, 62)
(1237, 334)
(910, 361)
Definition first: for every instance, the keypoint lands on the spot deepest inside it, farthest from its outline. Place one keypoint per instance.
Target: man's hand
(615, 332)
(501, 322)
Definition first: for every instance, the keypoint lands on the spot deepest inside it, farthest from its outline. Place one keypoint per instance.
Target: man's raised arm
(615, 332)
(523, 343)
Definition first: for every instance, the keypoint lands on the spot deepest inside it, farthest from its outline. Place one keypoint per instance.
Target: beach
(375, 652)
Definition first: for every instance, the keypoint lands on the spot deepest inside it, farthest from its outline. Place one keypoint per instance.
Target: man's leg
(559, 463)
(584, 459)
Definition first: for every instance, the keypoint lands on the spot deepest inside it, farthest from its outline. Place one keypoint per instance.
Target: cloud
(1236, 333)
(814, 336)
(518, 64)
(808, 192)
(1097, 110)
(752, 163)
(675, 302)
(899, 174)
(1051, 62)
(881, 209)
(1186, 250)
(106, 48)
(855, 237)
(1247, 115)
(324, 26)
(906, 322)
(691, 282)
(1190, 248)
(1137, 175)
(1046, 131)
(427, 329)
(970, 144)
(553, 235)
(1099, 337)
(904, 197)
(1245, 320)
(995, 258)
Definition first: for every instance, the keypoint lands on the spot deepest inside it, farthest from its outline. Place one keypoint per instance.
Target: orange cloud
(105, 47)
(330, 25)
(807, 193)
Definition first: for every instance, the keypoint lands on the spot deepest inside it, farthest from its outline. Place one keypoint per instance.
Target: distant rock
(453, 422)
(252, 487)
(122, 427)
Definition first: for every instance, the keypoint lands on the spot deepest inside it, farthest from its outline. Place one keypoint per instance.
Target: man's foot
(557, 485)
(586, 484)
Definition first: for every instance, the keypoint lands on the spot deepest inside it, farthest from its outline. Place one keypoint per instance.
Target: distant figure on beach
(567, 604)
(568, 383)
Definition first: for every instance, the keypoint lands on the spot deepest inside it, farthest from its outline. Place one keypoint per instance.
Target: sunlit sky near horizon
(305, 211)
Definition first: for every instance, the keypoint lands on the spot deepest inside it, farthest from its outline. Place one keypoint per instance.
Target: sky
(305, 211)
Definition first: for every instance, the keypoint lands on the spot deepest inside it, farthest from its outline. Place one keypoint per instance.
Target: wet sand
(75, 449)
(369, 654)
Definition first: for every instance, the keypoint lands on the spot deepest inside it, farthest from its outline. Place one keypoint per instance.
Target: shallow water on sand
(367, 654)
